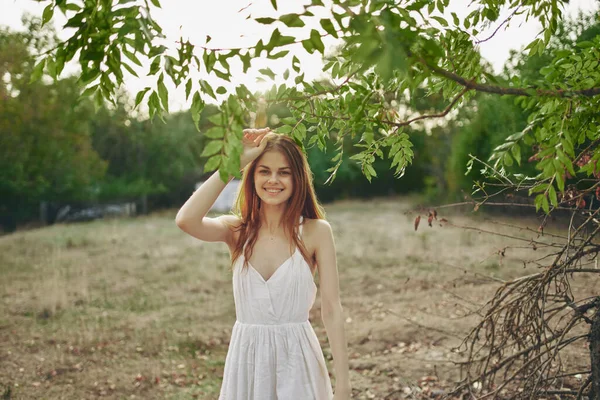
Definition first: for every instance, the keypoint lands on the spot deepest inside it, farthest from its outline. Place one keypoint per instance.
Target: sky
(227, 23)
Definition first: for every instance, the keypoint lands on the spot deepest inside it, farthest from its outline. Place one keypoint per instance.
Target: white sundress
(274, 353)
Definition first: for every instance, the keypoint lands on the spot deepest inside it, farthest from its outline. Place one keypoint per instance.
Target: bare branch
(499, 26)
(472, 85)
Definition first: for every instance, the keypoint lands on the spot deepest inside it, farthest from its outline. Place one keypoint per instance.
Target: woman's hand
(254, 144)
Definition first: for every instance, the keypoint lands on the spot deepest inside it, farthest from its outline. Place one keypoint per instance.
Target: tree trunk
(595, 356)
(145, 204)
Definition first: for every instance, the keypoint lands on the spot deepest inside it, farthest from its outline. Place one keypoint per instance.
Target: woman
(278, 239)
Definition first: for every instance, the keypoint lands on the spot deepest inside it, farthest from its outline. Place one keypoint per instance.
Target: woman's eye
(285, 173)
(264, 171)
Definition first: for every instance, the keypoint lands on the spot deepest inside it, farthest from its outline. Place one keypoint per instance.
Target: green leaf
(132, 57)
(292, 20)
(430, 7)
(207, 89)
(245, 59)
(38, 70)
(268, 72)
(140, 96)
(545, 205)
(455, 19)
(301, 131)
(515, 136)
(315, 38)
(212, 163)
(188, 88)
(566, 161)
(516, 152)
(567, 144)
(221, 90)
(553, 197)
(196, 109)
(507, 159)
(48, 13)
(265, 21)
(369, 172)
(560, 181)
(51, 68)
(98, 100)
(440, 6)
(216, 118)
(155, 66)
(538, 188)
(327, 25)
(209, 59)
(533, 47)
(223, 174)
(440, 20)
(156, 3)
(131, 70)
(154, 51)
(153, 104)
(278, 55)
(308, 46)
(223, 75)
(284, 129)
(216, 132)
(585, 44)
(89, 91)
(213, 147)
(60, 60)
(296, 62)
(538, 201)
(274, 4)
(163, 93)
(72, 7)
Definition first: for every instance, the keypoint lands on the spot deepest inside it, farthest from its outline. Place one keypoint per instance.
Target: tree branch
(499, 26)
(472, 85)
(428, 116)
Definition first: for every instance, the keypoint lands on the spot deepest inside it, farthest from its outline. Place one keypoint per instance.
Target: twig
(499, 26)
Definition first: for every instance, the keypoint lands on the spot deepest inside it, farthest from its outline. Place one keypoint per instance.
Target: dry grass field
(134, 308)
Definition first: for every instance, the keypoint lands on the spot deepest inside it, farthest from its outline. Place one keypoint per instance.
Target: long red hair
(302, 202)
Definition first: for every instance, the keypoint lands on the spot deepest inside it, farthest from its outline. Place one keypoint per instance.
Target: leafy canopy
(390, 51)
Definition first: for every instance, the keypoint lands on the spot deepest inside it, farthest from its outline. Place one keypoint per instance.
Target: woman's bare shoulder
(316, 229)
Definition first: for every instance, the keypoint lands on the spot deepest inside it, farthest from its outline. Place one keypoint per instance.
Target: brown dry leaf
(430, 219)
(417, 220)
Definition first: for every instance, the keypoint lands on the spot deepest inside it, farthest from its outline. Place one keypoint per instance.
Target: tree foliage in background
(56, 148)
(392, 50)
(45, 147)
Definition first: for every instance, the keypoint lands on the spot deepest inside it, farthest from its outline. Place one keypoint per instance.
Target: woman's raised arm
(192, 218)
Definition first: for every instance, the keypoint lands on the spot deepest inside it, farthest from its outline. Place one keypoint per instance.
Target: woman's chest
(269, 254)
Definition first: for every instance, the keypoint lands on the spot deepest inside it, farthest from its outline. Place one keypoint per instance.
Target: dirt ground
(135, 308)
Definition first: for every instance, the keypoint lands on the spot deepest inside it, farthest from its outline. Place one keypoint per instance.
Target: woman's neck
(271, 218)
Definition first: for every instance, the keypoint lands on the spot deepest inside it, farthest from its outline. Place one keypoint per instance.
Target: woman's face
(273, 180)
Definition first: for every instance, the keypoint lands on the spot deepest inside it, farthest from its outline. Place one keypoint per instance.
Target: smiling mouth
(273, 191)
